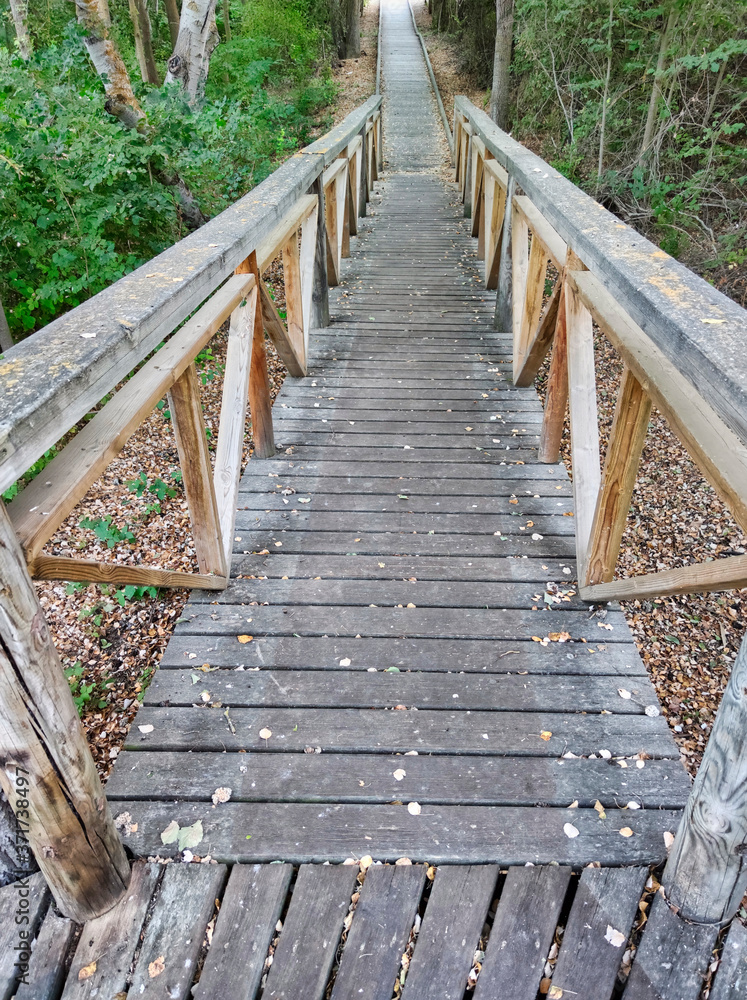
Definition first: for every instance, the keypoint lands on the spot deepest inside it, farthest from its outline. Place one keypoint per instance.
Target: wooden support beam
(320, 287)
(552, 242)
(307, 263)
(363, 177)
(720, 574)
(531, 305)
(278, 334)
(495, 211)
(539, 346)
(519, 274)
(556, 397)
(627, 437)
(582, 399)
(706, 875)
(197, 473)
(353, 153)
(230, 446)
(503, 318)
(260, 400)
(86, 570)
(293, 292)
(47, 771)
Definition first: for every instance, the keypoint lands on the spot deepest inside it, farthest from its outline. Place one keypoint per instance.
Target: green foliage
(34, 471)
(81, 692)
(85, 200)
(106, 531)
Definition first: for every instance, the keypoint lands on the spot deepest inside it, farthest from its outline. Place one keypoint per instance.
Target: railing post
(320, 286)
(46, 769)
(363, 175)
(504, 314)
(706, 875)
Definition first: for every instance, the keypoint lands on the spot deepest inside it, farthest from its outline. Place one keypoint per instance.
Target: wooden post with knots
(46, 769)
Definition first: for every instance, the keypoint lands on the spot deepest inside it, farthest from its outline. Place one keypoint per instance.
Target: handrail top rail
(701, 330)
(49, 381)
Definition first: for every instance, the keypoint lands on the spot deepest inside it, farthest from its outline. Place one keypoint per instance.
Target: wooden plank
(197, 473)
(27, 897)
(519, 274)
(541, 228)
(378, 935)
(714, 447)
(522, 932)
(428, 654)
(319, 315)
(450, 932)
(503, 266)
(369, 778)
(86, 570)
(308, 943)
(278, 334)
(531, 303)
(176, 931)
(672, 958)
(626, 440)
(250, 909)
(107, 943)
(230, 445)
(731, 978)
(260, 400)
(452, 835)
(453, 524)
(541, 342)
(606, 901)
(582, 401)
(46, 971)
(272, 247)
(350, 730)
(44, 504)
(331, 207)
(698, 327)
(341, 688)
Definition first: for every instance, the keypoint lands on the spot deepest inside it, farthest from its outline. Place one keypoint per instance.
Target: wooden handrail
(653, 311)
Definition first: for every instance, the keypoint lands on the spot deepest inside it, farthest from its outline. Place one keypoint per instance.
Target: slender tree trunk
(227, 19)
(504, 32)
(93, 15)
(6, 341)
(198, 36)
(143, 41)
(605, 98)
(173, 17)
(353, 30)
(653, 104)
(19, 9)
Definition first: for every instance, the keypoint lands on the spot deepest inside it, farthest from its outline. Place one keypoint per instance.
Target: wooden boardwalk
(395, 566)
(399, 671)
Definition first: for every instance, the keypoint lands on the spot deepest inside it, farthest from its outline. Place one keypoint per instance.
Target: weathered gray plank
(26, 899)
(107, 944)
(348, 730)
(451, 780)
(46, 972)
(484, 525)
(471, 655)
(450, 932)
(606, 898)
(522, 932)
(303, 479)
(731, 978)
(439, 834)
(673, 957)
(340, 688)
(245, 927)
(176, 930)
(378, 935)
(308, 942)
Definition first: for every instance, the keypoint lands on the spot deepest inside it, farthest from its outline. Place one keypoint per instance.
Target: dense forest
(641, 102)
(125, 123)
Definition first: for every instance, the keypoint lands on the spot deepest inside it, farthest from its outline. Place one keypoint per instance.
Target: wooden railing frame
(608, 275)
(51, 380)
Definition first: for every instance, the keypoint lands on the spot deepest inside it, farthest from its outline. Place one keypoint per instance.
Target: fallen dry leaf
(221, 795)
(626, 832)
(265, 734)
(615, 938)
(245, 638)
(413, 808)
(545, 735)
(156, 967)
(87, 971)
(570, 830)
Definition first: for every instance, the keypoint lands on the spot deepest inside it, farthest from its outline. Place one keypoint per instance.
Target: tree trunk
(20, 12)
(143, 41)
(706, 875)
(6, 340)
(198, 36)
(353, 30)
(653, 104)
(504, 32)
(93, 15)
(605, 98)
(173, 17)
(46, 769)
(227, 19)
